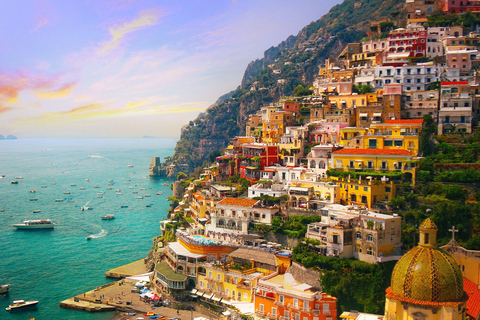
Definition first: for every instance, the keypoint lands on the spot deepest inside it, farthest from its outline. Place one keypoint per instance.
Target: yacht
(35, 224)
(108, 217)
(18, 304)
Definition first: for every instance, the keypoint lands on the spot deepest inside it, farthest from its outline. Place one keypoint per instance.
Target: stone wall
(304, 275)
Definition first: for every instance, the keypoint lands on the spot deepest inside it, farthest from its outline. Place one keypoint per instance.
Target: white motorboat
(4, 288)
(18, 304)
(35, 224)
(108, 217)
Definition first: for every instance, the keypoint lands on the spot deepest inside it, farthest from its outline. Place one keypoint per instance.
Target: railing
(326, 312)
(292, 306)
(260, 312)
(279, 303)
(316, 312)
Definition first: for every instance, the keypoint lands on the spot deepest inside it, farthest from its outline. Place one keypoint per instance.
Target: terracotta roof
(386, 152)
(391, 295)
(405, 121)
(198, 196)
(454, 83)
(473, 303)
(238, 202)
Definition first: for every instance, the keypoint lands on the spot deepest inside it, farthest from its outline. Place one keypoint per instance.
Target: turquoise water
(208, 241)
(51, 266)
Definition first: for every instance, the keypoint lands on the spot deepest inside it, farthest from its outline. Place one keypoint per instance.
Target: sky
(131, 68)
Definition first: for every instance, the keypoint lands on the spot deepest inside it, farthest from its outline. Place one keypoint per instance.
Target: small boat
(54, 183)
(142, 189)
(2, 176)
(32, 191)
(66, 192)
(33, 199)
(96, 186)
(43, 186)
(117, 190)
(130, 165)
(138, 197)
(82, 188)
(73, 185)
(148, 205)
(90, 237)
(35, 224)
(124, 206)
(164, 184)
(19, 177)
(130, 187)
(147, 195)
(159, 193)
(119, 193)
(88, 180)
(135, 192)
(99, 196)
(109, 188)
(14, 182)
(108, 217)
(4, 288)
(18, 304)
(58, 200)
(36, 211)
(86, 208)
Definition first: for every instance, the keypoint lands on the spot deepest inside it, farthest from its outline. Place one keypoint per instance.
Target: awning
(403, 130)
(377, 114)
(215, 298)
(228, 302)
(209, 296)
(342, 101)
(363, 114)
(193, 291)
(199, 293)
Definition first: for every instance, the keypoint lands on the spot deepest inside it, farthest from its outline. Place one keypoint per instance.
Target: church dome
(426, 273)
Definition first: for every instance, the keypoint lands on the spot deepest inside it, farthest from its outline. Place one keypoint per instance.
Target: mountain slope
(298, 58)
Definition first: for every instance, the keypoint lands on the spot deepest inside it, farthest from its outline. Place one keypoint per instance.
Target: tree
(181, 176)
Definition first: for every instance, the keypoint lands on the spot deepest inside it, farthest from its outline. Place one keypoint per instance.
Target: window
(245, 296)
(227, 292)
(388, 189)
(261, 308)
(239, 295)
(370, 251)
(370, 237)
(384, 165)
(388, 143)
(219, 277)
(370, 164)
(210, 274)
(274, 311)
(365, 189)
(201, 284)
(358, 235)
(398, 143)
(372, 143)
(295, 303)
(286, 314)
(297, 316)
(306, 305)
(351, 164)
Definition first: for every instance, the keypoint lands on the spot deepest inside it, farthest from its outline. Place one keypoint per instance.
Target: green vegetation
(364, 174)
(356, 284)
(294, 227)
(442, 19)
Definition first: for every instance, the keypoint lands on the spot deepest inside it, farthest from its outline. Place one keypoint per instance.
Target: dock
(128, 270)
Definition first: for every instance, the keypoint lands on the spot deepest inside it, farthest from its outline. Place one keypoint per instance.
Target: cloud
(43, 21)
(62, 92)
(145, 18)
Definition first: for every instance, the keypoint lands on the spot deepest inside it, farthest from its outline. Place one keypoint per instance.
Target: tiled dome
(426, 273)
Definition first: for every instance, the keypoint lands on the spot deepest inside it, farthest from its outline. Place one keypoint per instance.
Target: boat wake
(102, 234)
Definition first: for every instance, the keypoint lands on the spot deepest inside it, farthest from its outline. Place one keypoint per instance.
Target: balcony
(316, 312)
(260, 312)
(293, 307)
(279, 303)
(272, 315)
(326, 312)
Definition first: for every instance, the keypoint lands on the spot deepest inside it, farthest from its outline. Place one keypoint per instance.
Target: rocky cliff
(296, 61)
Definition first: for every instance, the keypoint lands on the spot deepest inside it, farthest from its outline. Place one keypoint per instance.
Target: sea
(66, 175)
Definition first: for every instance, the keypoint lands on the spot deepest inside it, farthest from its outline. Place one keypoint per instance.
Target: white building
(234, 216)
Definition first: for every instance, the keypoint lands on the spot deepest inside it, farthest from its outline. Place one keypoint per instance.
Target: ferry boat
(108, 217)
(18, 304)
(35, 224)
(4, 288)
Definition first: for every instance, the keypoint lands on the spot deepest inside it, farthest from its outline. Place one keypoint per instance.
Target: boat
(117, 190)
(159, 193)
(82, 188)
(66, 192)
(90, 237)
(142, 189)
(32, 191)
(19, 177)
(14, 182)
(148, 205)
(33, 199)
(73, 185)
(58, 200)
(130, 165)
(2, 176)
(43, 186)
(4, 288)
(108, 217)
(54, 183)
(165, 184)
(35, 224)
(18, 304)
(88, 180)
(119, 193)
(147, 195)
(96, 186)
(86, 208)
(36, 211)
(124, 206)
(138, 197)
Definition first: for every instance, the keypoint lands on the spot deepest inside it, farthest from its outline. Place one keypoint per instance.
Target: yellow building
(427, 283)
(348, 135)
(274, 127)
(375, 160)
(393, 134)
(352, 101)
(234, 279)
(364, 192)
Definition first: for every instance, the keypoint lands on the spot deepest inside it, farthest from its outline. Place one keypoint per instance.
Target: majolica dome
(426, 273)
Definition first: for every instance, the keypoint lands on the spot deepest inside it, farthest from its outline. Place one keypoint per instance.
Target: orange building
(278, 296)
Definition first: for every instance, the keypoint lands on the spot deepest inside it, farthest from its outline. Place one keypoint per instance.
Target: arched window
(370, 237)
(312, 164)
(358, 235)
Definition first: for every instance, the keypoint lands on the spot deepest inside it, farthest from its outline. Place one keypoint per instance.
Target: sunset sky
(126, 68)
